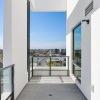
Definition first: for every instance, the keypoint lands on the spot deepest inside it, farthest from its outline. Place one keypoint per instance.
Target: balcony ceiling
(48, 5)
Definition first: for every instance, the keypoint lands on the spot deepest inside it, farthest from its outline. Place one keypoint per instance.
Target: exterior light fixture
(87, 21)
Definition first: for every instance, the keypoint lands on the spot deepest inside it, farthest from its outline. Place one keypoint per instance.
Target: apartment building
(83, 23)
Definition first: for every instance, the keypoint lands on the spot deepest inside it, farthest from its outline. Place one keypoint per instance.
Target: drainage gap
(50, 94)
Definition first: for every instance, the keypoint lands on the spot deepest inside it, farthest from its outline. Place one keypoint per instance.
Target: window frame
(79, 80)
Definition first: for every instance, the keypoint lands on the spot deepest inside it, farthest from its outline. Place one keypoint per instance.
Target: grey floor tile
(45, 90)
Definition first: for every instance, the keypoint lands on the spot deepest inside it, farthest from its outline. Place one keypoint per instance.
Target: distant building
(1, 65)
(63, 51)
(54, 52)
(57, 59)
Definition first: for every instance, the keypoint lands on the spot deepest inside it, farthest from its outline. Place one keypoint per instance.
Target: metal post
(0, 85)
(32, 66)
(29, 72)
(50, 67)
(28, 38)
(68, 67)
(12, 82)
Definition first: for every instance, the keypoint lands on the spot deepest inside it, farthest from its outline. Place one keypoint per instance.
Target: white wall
(69, 50)
(48, 5)
(75, 16)
(71, 4)
(95, 54)
(7, 32)
(15, 40)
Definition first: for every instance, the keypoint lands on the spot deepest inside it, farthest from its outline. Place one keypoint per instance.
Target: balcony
(49, 80)
(48, 86)
(51, 88)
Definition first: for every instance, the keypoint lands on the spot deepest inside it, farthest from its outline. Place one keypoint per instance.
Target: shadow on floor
(53, 89)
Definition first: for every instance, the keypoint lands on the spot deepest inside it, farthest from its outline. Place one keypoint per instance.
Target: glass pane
(39, 52)
(41, 62)
(30, 63)
(6, 83)
(77, 51)
(77, 72)
(58, 61)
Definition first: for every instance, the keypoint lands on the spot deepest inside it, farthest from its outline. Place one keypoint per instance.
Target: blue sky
(77, 38)
(48, 30)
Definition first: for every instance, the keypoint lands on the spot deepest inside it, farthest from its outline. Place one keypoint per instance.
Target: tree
(77, 55)
(33, 53)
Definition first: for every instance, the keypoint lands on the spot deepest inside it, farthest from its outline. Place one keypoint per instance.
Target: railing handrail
(4, 68)
(32, 57)
(49, 56)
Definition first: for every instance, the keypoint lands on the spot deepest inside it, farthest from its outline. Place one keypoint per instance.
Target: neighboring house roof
(57, 59)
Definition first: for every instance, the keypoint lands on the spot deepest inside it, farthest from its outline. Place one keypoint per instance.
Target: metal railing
(7, 82)
(49, 63)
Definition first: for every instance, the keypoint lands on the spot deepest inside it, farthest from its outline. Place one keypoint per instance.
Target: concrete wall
(71, 4)
(53, 73)
(75, 16)
(48, 5)
(15, 40)
(95, 54)
(7, 33)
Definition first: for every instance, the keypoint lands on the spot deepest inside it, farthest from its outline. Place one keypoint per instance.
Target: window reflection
(77, 51)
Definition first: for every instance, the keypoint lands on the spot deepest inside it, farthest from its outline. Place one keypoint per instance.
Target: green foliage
(1, 51)
(78, 55)
(33, 52)
(55, 63)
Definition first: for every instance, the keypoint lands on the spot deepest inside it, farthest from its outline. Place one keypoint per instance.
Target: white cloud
(59, 45)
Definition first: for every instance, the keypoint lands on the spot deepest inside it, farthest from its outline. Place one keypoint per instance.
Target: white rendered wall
(69, 50)
(7, 32)
(71, 4)
(15, 40)
(95, 54)
(48, 5)
(75, 16)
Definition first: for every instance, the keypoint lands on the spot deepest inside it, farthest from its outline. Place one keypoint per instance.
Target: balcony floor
(51, 88)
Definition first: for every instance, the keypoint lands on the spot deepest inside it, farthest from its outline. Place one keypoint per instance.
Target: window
(77, 52)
